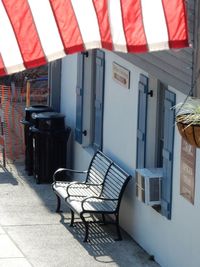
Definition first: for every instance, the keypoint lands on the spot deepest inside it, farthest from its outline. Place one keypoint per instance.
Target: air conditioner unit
(148, 185)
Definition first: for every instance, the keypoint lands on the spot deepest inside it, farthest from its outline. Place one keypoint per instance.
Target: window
(90, 94)
(155, 134)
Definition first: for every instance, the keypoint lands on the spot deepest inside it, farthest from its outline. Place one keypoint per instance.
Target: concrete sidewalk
(32, 234)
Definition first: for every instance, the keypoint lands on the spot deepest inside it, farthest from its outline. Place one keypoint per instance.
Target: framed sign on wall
(187, 172)
(121, 75)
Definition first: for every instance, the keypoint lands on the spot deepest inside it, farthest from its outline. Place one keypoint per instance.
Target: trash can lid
(49, 115)
(37, 108)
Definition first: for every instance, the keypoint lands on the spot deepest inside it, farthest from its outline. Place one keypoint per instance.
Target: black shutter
(79, 98)
(99, 96)
(142, 121)
(168, 148)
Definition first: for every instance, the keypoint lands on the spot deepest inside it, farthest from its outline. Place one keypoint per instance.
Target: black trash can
(49, 145)
(29, 121)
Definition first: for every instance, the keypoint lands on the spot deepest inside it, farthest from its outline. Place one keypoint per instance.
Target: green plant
(188, 112)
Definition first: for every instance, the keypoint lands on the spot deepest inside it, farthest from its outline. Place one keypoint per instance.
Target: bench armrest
(66, 170)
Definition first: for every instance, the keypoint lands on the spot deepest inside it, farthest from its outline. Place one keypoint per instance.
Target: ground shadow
(6, 177)
(102, 245)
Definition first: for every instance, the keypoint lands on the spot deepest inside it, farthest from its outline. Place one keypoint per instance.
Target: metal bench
(93, 179)
(85, 198)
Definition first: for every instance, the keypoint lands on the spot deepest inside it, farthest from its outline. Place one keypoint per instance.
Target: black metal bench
(85, 198)
(93, 179)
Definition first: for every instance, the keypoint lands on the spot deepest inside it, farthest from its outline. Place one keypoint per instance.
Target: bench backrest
(114, 184)
(98, 168)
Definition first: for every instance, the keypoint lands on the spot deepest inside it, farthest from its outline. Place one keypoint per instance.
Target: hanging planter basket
(190, 132)
(188, 121)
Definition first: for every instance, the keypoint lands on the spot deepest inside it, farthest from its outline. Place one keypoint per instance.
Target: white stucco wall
(175, 242)
(68, 89)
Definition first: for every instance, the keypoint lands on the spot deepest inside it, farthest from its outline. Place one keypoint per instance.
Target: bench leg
(86, 228)
(118, 228)
(103, 218)
(72, 218)
(58, 203)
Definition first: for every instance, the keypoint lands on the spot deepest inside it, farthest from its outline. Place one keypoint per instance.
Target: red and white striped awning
(34, 32)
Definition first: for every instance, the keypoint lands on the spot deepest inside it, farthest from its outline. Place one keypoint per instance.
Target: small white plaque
(121, 75)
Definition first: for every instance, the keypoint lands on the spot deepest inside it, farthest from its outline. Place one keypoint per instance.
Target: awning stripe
(178, 35)
(2, 67)
(8, 45)
(133, 26)
(155, 25)
(47, 29)
(116, 24)
(33, 32)
(67, 26)
(104, 25)
(26, 33)
(88, 23)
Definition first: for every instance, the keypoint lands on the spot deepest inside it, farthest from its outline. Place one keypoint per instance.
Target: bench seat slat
(118, 176)
(87, 191)
(92, 205)
(100, 164)
(99, 169)
(60, 190)
(76, 189)
(96, 176)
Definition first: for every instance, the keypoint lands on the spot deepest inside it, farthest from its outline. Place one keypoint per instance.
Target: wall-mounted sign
(121, 75)
(187, 179)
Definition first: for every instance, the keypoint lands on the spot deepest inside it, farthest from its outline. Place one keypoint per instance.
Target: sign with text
(187, 179)
(121, 75)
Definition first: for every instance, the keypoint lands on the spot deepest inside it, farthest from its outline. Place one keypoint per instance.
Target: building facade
(123, 104)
